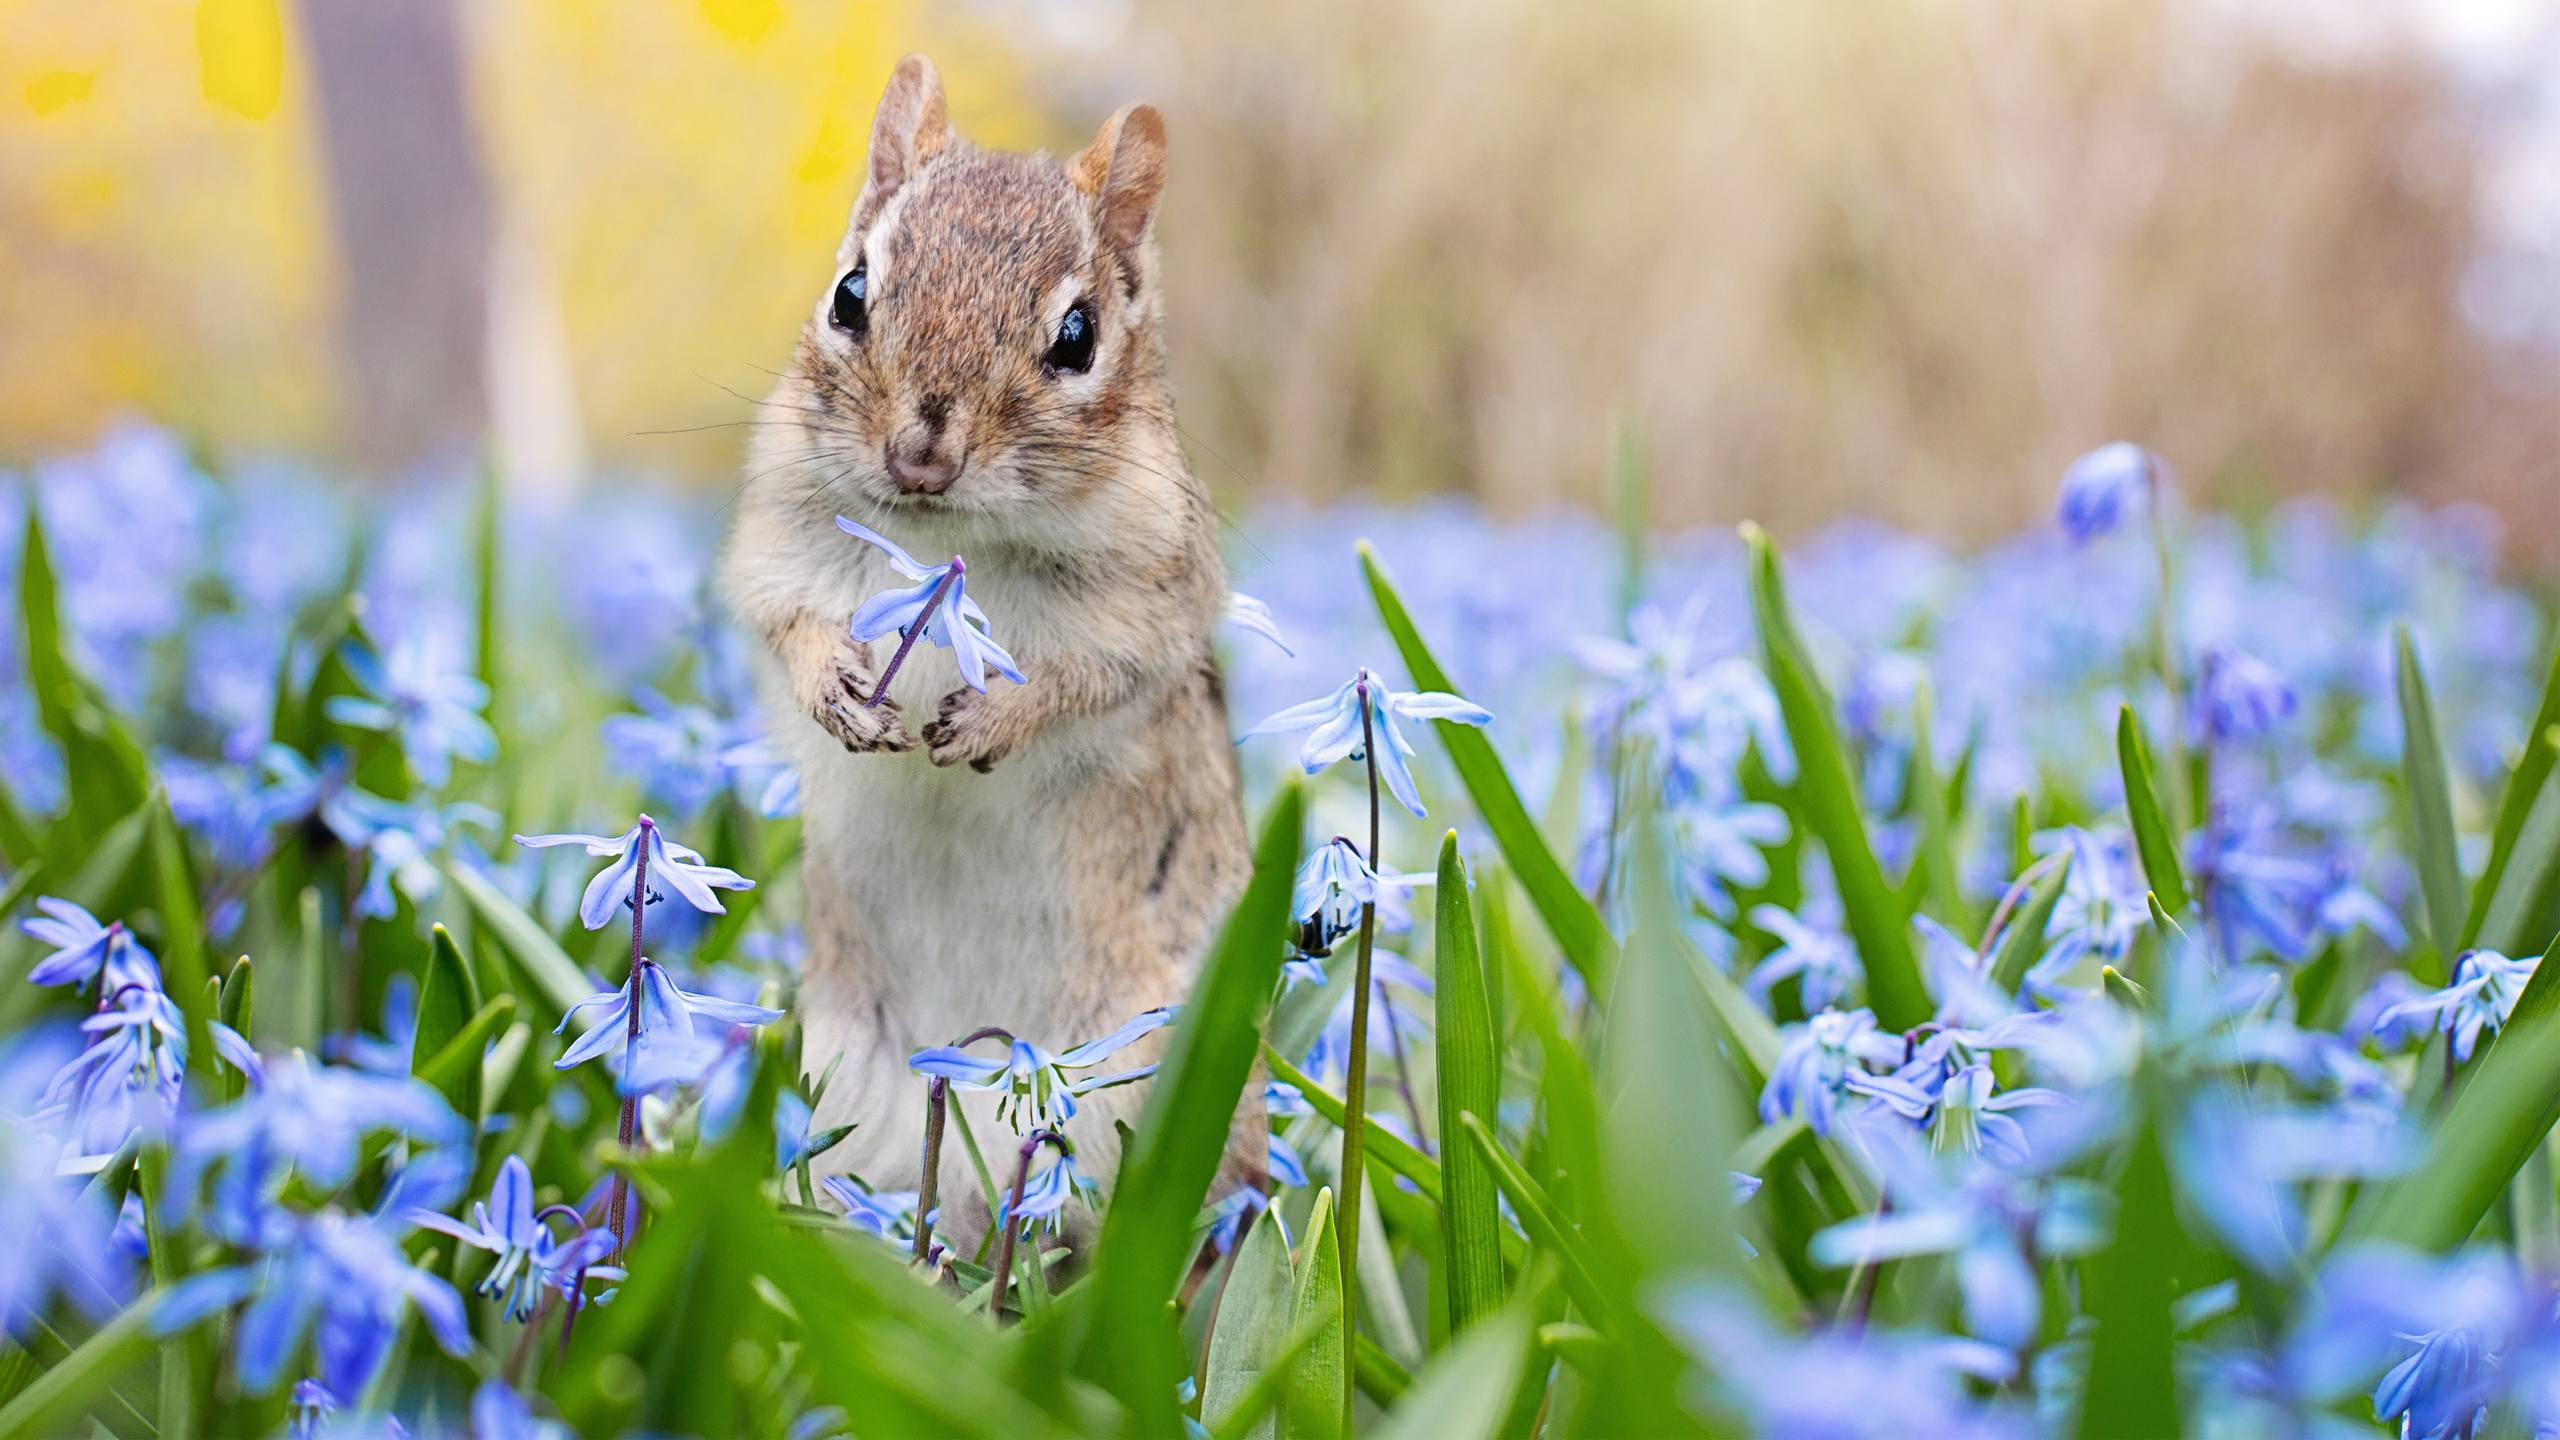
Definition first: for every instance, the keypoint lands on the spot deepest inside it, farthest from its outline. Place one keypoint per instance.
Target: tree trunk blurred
(411, 209)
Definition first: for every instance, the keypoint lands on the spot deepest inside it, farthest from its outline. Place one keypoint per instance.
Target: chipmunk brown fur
(1050, 857)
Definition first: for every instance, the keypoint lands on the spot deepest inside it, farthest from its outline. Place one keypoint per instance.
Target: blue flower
(2481, 995)
(311, 1120)
(400, 842)
(2103, 486)
(1045, 1195)
(2241, 1165)
(499, 1413)
(680, 866)
(1333, 726)
(958, 625)
(1723, 845)
(1811, 1074)
(2239, 697)
(884, 1213)
(342, 1280)
(129, 1076)
(529, 1260)
(1825, 959)
(662, 1048)
(433, 710)
(83, 949)
(1252, 616)
(1333, 884)
(396, 1050)
(1038, 1093)
(1962, 1111)
(1997, 1225)
(679, 753)
(1840, 1383)
(2100, 911)
(62, 1236)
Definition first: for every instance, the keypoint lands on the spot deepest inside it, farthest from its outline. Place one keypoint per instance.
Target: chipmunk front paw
(834, 699)
(969, 728)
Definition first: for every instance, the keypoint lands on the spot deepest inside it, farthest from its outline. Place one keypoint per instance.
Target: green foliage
(2152, 835)
(1470, 1084)
(1827, 801)
(2430, 798)
(1569, 914)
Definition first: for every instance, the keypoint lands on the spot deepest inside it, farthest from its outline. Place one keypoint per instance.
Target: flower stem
(1355, 1079)
(937, 1100)
(629, 1132)
(907, 637)
(1005, 1222)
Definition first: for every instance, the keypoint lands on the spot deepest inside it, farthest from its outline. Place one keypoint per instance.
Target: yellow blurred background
(1898, 257)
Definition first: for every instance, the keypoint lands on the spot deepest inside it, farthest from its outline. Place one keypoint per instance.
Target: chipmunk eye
(1072, 351)
(848, 313)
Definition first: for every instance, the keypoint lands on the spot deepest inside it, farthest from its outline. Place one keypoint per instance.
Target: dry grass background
(1902, 257)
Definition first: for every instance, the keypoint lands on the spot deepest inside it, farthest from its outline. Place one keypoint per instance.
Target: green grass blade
(2022, 943)
(2498, 1116)
(103, 769)
(59, 1395)
(1827, 795)
(2430, 813)
(1466, 1392)
(1569, 914)
(2521, 902)
(182, 953)
(1470, 1084)
(2132, 1389)
(1938, 877)
(1146, 1236)
(2151, 833)
(448, 996)
(1385, 1149)
(454, 1068)
(1320, 1379)
(2524, 787)
(536, 953)
(1255, 1312)
(1545, 1222)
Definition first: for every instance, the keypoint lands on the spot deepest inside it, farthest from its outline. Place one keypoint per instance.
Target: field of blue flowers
(2087, 986)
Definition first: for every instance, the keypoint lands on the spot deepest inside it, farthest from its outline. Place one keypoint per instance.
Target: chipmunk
(983, 375)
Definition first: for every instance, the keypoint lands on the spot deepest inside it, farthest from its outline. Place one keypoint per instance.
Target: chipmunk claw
(965, 731)
(861, 729)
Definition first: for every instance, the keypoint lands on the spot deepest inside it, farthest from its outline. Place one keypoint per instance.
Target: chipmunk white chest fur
(983, 376)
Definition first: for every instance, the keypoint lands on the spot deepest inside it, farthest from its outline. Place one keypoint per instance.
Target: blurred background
(1902, 258)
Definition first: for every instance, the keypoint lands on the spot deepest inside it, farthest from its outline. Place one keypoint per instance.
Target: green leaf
(448, 996)
(69, 1387)
(1755, 1037)
(1545, 1222)
(2021, 944)
(2151, 833)
(2526, 886)
(2133, 1384)
(1827, 791)
(1385, 1149)
(178, 1351)
(1465, 1393)
(1255, 1312)
(182, 955)
(103, 769)
(2502, 1110)
(2122, 989)
(2430, 813)
(1935, 866)
(454, 1068)
(1470, 1069)
(1320, 1379)
(541, 958)
(486, 512)
(1146, 1239)
(2525, 783)
(1569, 914)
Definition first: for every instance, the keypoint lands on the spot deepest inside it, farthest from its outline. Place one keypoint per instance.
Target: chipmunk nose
(922, 456)
(922, 460)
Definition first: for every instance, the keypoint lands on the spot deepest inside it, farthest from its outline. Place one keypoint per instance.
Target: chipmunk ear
(913, 126)
(1123, 172)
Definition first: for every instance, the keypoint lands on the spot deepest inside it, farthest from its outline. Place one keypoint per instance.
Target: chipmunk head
(989, 332)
